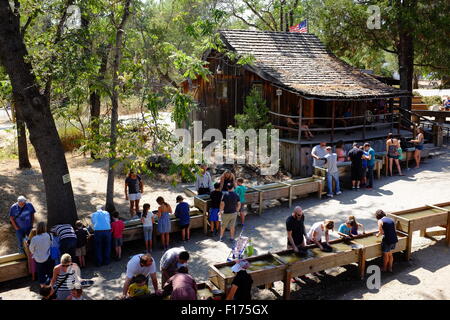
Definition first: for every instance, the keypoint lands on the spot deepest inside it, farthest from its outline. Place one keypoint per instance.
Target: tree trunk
(406, 66)
(115, 108)
(41, 125)
(406, 49)
(22, 146)
(282, 14)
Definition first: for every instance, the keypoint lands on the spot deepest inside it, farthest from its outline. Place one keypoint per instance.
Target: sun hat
(241, 265)
(21, 199)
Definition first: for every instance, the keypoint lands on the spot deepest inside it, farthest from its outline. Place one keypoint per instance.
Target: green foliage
(256, 112)
(432, 100)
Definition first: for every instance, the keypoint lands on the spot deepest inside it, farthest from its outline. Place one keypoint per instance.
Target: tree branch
(258, 15)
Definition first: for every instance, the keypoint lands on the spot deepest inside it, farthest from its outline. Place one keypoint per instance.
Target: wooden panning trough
(13, 266)
(421, 218)
(264, 269)
(272, 191)
(133, 228)
(286, 264)
(345, 172)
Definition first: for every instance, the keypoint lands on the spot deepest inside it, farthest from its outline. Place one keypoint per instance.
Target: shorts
(134, 196)
(80, 251)
(387, 247)
(229, 219)
(243, 209)
(390, 156)
(148, 231)
(213, 214)
(184, 226)
(356, 173)
(118, 242)
(419, 147)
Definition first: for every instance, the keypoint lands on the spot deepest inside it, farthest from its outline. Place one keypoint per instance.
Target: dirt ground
(424, 277)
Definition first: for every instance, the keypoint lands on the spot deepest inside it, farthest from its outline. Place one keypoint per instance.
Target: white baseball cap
(21, 199)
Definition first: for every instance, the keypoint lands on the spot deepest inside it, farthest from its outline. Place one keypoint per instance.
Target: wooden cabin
(302, 83)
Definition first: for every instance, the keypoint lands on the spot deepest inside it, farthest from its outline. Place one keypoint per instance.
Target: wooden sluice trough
(419, 219)
(344, 169)
(264, 269)
(13, 266)
(286, 264)
(133, 228)
(272, 191)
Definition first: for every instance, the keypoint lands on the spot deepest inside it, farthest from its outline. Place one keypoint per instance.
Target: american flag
(302, 27)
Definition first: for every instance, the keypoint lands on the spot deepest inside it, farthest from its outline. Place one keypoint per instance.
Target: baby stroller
(239, 250)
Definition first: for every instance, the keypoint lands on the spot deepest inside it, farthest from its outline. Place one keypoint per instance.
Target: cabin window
(258, 86)
(222, 90)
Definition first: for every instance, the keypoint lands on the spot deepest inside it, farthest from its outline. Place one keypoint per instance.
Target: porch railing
(368, 121)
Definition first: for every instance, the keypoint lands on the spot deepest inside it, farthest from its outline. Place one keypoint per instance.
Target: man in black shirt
(229, 207)
(295, 228)
(356, 155)
(241, 286)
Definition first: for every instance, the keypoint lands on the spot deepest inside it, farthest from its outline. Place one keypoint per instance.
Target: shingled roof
(300, 62)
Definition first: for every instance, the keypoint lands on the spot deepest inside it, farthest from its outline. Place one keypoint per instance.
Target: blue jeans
(21, 234)
(102, 241)
(370, 176)
(330, 177)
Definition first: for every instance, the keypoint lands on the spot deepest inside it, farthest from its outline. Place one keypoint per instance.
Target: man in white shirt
(140, 264)
(171, 261)
(318, 152)
(203, 181)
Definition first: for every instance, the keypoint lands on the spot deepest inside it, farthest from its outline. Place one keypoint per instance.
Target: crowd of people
(362, 158)
(59, 276)
(319, 234)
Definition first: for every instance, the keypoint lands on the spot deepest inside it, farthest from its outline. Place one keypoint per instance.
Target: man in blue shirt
(182, 213)
(102, 235)
(370, 164)
(21, 215)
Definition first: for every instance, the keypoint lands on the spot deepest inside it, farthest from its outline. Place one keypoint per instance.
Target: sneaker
(353, 188)
(231, 240)
(330, 195)
(221, 240)
(357, 187)
(369, 188)
(338, 193)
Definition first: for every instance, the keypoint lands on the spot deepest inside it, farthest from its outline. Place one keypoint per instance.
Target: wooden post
(364, 123)
(391, 111)
(300, 112)
(260, 203)
(362, 263)
(333, 120)
(447, 235)
(287, 285)
(409, 242)
(290, 196)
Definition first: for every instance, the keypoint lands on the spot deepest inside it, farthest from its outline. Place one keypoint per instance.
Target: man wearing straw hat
(241, 286)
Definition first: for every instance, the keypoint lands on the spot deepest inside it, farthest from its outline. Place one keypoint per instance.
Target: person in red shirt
(117, 227)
